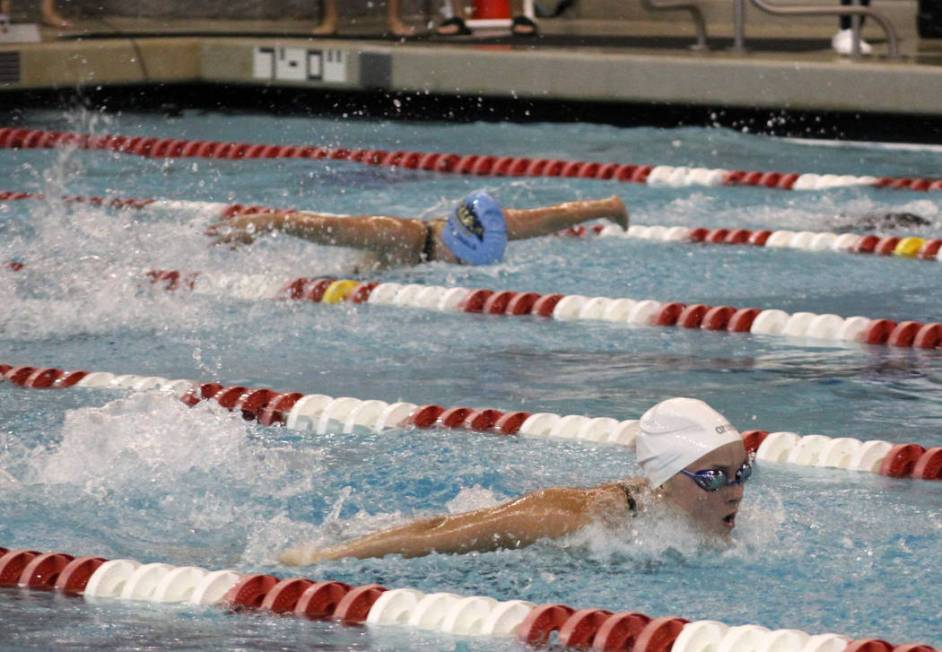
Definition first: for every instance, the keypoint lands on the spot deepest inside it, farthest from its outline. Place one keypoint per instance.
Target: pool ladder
(739, 20)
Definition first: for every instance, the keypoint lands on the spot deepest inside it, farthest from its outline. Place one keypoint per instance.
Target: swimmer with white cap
(693, 461)
(475, 233)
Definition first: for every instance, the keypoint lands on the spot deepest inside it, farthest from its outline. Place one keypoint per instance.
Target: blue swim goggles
(715, 479)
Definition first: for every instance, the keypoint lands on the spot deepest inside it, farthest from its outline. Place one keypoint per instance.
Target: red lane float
(12, 564)
(355, 606)
(868, 645)
(75, 575)
(620, 631)
(43, 571)
(659, 635)
(469, 164)
(901, 460)
(283, 597)
(929, 465)
(580, 629)
(752, 439)
(320, 600)
(544, 620)
(250, 591)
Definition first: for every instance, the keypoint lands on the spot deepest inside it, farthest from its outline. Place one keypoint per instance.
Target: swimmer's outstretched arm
(550, 513)
(394, 237)
(535, 222)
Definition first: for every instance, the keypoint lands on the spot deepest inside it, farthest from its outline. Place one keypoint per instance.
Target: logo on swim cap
(469, 220)
(476, 232)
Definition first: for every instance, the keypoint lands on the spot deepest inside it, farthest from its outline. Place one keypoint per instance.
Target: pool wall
(617, 78)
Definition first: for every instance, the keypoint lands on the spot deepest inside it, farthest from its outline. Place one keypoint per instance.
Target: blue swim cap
(476, 232)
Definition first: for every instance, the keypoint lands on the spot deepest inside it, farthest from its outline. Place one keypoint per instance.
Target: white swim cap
(676, 433)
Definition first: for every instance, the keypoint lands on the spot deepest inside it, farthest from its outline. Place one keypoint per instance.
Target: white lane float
(305, 414)
(109, 579)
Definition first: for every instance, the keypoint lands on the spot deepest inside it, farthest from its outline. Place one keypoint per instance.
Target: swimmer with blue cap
(476, 231)
(693, 462)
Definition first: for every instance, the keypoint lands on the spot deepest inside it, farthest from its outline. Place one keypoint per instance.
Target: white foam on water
(284, 532)
(167, 472)
(85, 270)
(469, 499)
(85, 264)
(659, 533)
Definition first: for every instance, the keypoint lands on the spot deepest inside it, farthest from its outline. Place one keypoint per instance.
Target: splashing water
(165, 470)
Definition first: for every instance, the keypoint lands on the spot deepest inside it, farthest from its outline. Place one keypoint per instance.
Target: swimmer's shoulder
(619, 498)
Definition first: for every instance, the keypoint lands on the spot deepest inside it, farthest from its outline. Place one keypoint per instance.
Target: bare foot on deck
(398, 28)
(55, 20)
(51, 18)
(326, 28)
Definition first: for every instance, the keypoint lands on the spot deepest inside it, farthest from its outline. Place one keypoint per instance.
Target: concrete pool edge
(796, 82)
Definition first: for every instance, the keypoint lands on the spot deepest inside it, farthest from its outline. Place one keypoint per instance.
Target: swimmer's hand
(234, 231)
(300, 556)
(619, 212)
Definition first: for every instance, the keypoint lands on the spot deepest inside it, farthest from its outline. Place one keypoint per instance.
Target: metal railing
(681, 5)
(855, 13)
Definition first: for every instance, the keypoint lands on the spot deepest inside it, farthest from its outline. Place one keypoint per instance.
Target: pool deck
(636, 63)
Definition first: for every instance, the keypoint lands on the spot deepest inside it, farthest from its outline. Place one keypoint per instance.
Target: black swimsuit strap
(428, 248)
(632, 505)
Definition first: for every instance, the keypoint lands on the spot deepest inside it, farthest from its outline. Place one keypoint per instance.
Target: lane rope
(890, 245)
(914, 247)
(321, 414)
(574, 307)
(451, 163)
(373, 605)
(901, 246)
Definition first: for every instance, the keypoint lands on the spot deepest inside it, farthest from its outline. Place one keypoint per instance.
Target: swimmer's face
(714, 511)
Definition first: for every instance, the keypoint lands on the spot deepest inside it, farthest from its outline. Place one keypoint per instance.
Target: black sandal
(561, 7)
(455, 21)
(523, 26)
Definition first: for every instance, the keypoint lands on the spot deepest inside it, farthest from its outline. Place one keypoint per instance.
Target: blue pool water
(142, 476)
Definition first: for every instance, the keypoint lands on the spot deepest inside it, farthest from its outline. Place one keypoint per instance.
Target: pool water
(139, 475)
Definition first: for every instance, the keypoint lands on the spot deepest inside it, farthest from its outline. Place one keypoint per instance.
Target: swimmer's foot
(454, 26)
(523, 26)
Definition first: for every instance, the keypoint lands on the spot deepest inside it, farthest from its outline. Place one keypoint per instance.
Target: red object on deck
(485, 9)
